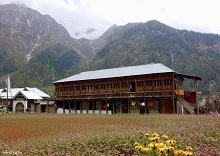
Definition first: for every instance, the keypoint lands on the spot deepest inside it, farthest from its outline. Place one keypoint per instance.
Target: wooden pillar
(174, 86)
(54, 107)
(106, 106)
(99, 109)
(120, 108)
(137, 104)
(113, 107)
(87, 109)
(129, 111)
(194, 88)
(93, 106)
(47, 107)
(74, 106)
(195, 85)
(80, 107)
(63, 107)
(69, 107)
(145, 105)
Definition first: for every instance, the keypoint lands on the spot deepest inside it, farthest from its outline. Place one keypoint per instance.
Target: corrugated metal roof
(119, 72)
(14, 91)
(10, 94)
(38, 92)
(30, 95)
(26, 94)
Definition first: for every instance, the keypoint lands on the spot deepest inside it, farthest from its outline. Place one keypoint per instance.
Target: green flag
(49, 63)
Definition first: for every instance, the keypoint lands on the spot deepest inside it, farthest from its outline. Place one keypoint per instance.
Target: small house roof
(37, 92)
(29, 93)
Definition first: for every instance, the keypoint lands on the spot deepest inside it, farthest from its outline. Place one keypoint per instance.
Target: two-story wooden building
(150, 88)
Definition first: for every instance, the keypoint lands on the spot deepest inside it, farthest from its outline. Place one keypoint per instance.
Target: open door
(132, 87)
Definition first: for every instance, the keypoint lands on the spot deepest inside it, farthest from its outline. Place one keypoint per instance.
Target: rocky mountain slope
(24, 33)
(27, 38)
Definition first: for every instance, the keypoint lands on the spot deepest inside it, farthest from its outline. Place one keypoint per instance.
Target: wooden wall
(89, 95)
(140, 86)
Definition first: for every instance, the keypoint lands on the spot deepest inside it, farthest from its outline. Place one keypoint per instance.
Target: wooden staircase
(185, 104)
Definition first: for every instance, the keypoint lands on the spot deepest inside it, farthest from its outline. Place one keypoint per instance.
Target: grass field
(92, 134)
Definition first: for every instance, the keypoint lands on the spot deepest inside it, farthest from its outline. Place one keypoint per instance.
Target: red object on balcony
(190, 96)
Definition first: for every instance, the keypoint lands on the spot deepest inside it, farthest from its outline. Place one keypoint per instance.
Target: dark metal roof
(189, 76)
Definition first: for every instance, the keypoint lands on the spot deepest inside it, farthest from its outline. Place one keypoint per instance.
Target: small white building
(23, 99)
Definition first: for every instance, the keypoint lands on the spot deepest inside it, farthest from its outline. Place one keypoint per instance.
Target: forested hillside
(194, 53)
(26, 45)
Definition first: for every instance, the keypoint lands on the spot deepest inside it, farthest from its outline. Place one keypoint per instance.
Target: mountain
(27, 38)
(142, 43)
(24, 32)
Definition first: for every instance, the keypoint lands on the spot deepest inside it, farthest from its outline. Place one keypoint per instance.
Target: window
(124, 85)
(148, 83)
(83, 87)
(109, 86)
(96, 87)
(102, 86)
(116, 85)
(167, 82)
(71, 88)
(89, 87)
(77, 87)
(158, 83)
(140, 83)
(65, 89)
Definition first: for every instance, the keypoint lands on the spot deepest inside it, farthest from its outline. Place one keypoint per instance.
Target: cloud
(80, 15)
(76, 18)
(194, 15)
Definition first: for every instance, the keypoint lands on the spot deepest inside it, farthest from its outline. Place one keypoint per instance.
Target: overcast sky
(79, 15)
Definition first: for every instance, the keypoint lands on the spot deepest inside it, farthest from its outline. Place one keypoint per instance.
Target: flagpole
(49, 63)
(7, 96)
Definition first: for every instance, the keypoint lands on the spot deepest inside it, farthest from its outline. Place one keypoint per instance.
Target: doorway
(19, 107)
(132, 87)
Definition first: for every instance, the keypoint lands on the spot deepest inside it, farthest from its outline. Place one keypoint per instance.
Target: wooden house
(150, 88)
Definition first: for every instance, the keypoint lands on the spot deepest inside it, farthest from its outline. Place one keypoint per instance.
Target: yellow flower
(165, 136)
(144, 150)
(137, 147)
(170, 142)
(189, 148)
(151, 138)
(176, 152)
(187, 153)
(160, 145)
(154, 139)
(155, 134)
(170, 148)
(181, 152)
(151, 145)
(136, 144)
(162, 148)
